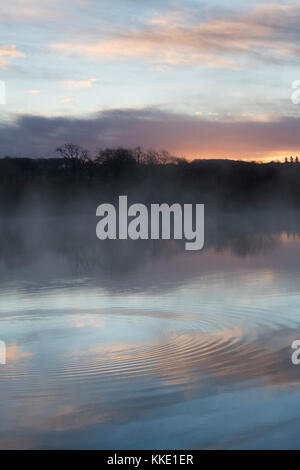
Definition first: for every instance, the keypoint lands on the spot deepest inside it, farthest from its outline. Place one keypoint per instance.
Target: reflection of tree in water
(72, 242)
(246, 245)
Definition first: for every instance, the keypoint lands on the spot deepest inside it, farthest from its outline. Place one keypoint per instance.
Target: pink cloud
(7, 53)
(266, 32)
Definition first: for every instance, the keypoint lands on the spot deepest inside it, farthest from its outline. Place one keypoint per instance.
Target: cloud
(183, 135)
(268, 32)
(79, 84)
(151, 47)
(24, 11)
(67, 100)
(7, 53)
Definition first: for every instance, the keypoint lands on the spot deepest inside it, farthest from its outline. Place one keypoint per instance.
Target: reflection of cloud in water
(179, 368)
(87, 321)
(14, 353)
(150, 341)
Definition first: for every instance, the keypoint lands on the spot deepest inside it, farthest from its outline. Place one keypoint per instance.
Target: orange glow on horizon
(259, 157)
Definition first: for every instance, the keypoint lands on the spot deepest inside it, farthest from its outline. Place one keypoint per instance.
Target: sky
(201, 79)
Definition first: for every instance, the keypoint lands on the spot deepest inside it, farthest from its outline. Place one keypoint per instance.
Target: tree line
(78, 181)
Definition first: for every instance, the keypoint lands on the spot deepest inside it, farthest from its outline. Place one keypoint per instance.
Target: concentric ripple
(79, 356)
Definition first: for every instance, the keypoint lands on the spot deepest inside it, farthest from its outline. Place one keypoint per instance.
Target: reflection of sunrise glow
(292, 237)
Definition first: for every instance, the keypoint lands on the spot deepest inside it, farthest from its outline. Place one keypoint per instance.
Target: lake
(146, 346)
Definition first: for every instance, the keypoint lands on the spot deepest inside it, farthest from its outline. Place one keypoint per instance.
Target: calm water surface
(187, 351)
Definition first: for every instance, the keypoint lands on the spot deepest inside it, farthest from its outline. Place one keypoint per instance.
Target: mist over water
(140, 344)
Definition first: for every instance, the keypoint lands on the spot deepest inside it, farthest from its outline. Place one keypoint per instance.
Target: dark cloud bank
(183, 135)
